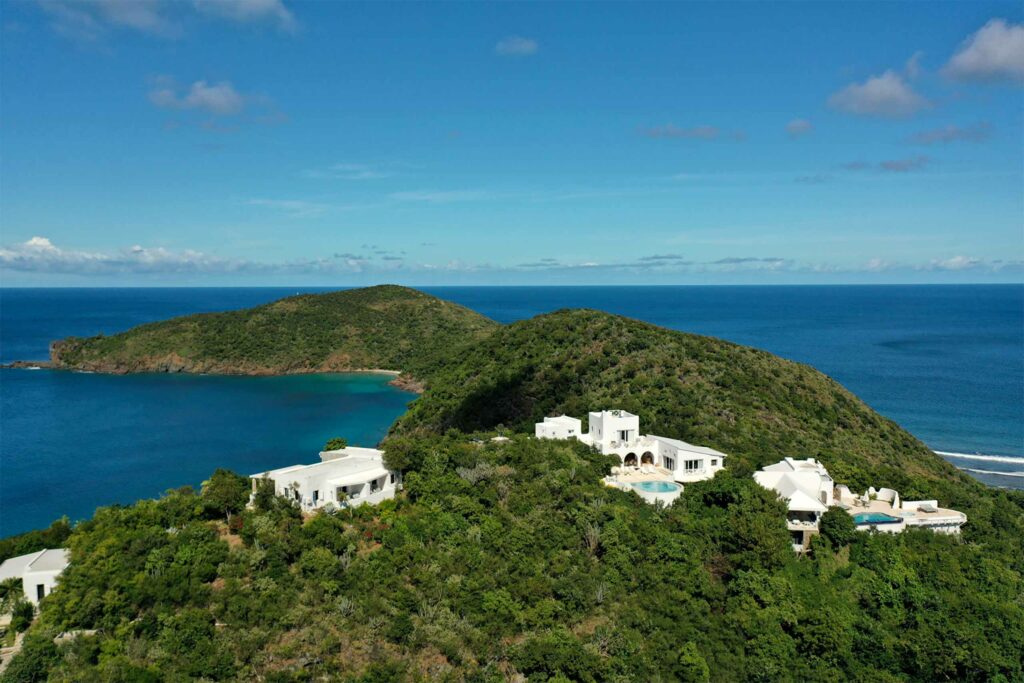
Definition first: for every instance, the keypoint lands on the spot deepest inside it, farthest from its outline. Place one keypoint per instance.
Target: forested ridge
(511, 561)
(385, 327)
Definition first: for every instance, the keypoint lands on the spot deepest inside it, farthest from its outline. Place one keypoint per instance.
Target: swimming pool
(875, 518)
(656, 486)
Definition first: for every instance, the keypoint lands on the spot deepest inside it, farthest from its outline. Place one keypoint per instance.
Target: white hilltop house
(809, 491)
(343, 478)
(618, 432)
(38, 571)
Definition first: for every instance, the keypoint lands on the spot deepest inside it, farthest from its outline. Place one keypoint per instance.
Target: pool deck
(631, 476)
(940, 517)
(627, 476)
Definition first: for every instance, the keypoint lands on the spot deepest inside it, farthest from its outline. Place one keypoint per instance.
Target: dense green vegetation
(508, 560)
(386, 327)
(505, 558)
(748, 403)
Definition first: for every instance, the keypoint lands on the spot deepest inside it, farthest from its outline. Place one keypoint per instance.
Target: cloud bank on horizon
(259, 140)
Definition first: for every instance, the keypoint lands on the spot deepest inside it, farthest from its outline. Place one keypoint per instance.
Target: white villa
(38, 572)
(345, 477)
(809, 491)
(618, 432)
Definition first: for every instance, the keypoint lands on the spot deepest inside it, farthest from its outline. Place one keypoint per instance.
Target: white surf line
(989, 458)
(1001, 474)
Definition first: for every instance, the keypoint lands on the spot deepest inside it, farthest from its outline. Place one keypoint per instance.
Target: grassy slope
(386, 327)
(748, 403)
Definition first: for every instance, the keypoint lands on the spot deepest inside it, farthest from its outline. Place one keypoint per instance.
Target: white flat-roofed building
(38, 571)
(561, 427)
(343, 478)
(618, 432)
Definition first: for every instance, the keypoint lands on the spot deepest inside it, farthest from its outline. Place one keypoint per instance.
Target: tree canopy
(504, 558)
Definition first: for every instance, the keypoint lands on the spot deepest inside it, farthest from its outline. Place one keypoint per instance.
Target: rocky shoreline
(175, 364)
(28, 365)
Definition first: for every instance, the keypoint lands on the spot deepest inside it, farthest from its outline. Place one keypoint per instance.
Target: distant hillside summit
(745, 402)
(385, 327)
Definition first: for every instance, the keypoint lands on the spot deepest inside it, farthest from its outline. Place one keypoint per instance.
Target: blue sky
(265, 142)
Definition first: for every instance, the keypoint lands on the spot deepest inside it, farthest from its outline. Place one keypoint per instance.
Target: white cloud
(216, 98)
(915, 163)
(904, 165)
(39, 254)
(516, 46)
(976, 133)
(799, 127)
(957, 263)
(994, 53)
(250, 11)
(887, 95)
(348, 171)
(90, 21)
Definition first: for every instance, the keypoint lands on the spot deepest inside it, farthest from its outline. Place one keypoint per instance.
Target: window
(391, 478)
(316, 496)
(40, 591)
(691, 465)
(714, 462)
(670, 463)
(374, 485)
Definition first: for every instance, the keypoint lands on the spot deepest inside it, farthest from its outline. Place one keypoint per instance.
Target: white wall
(31, 580)
(604, 427)
(561, 428)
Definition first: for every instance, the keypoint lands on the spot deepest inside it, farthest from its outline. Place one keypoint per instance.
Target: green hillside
(385, 327)
(510, 560)
(750, 404)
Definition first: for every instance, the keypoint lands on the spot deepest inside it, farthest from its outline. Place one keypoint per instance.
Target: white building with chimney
(343, 478)
(618, 432)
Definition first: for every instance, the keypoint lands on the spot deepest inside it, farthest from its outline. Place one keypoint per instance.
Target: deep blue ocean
(946, 362)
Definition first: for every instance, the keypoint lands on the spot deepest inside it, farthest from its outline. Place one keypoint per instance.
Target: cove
(106, 439)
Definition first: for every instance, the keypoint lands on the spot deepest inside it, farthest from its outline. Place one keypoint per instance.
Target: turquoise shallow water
(946, 362)
(655, 486)
(875, 518)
